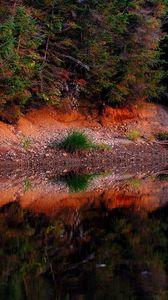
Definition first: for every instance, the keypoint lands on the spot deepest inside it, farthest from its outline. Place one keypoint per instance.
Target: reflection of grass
(163, 177)
(78, 182)
(134, 182)
(27, 185)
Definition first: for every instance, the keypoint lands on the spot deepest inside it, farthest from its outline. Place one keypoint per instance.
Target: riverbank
(27, 142)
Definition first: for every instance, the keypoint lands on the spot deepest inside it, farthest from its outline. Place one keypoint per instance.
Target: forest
(110, 52)
(84, 149)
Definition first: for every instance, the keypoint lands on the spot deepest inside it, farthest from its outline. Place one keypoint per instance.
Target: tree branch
(77, 61)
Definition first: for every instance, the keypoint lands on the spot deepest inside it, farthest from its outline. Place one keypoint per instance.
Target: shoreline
(27, 142)
(131, 156)
(46, 191)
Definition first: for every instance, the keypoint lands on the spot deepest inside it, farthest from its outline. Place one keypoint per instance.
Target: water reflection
(101, 244)
(76, 182)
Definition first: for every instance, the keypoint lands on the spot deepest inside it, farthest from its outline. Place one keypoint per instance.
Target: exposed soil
(26, 172)
(27, 142)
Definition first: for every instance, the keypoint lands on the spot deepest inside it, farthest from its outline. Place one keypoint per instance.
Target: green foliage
(19, 60)
(133, 135)
(162, 136)
(75, 141)
(26, 143)
(102, 49)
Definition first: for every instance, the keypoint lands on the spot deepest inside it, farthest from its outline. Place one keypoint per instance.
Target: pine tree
(19, 60)
(106, 50)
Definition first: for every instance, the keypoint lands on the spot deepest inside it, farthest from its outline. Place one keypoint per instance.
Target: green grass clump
(162, 136)
(75, 141)
(78, 141)
(133, 135)
(26, 143)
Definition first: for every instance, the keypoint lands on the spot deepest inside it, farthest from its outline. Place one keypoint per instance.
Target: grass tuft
(162, 136)
(26, 143)
(103, 147)
(133, 135)
(74, 141)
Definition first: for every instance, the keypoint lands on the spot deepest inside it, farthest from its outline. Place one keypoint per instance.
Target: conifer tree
(19, 58)
(106, 50)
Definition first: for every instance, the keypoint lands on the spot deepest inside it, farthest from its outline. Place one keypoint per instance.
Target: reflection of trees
(102, 254)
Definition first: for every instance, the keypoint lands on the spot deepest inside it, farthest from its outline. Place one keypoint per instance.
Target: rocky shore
(27, 143)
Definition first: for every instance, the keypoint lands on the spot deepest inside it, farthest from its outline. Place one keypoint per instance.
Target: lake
(84, 236)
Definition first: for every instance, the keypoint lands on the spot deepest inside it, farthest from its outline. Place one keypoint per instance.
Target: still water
(84, 237)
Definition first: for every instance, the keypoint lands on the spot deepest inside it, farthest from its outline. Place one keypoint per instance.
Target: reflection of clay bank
(147, 194)
(148, 198)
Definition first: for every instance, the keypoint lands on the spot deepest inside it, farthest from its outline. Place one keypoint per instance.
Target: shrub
(133, 135)
(75, 141)
(162, 136)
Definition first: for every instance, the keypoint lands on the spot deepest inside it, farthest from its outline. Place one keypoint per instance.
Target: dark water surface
(84, 237)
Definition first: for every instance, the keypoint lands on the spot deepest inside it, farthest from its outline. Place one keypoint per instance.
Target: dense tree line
(106, 50)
